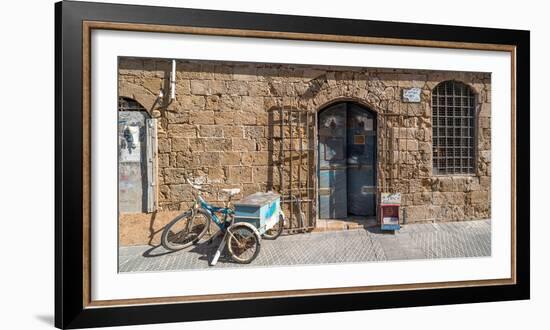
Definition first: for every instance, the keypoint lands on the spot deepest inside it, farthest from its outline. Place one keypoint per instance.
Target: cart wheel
(276, 231)
(243, 244)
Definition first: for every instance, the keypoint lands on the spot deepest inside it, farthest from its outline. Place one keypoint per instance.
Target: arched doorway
(136, 157)
(347, 161)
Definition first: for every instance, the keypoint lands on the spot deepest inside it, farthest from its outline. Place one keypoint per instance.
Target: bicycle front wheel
(185, 230)
(243, 244)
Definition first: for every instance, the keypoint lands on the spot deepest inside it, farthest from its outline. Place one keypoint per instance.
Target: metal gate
(292, 134)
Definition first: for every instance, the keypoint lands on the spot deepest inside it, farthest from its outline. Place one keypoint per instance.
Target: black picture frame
(70, 180)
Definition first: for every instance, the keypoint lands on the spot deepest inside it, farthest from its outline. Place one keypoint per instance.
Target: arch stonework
(359, 101)
(138, 93)
(477, 89)
(362, 89)
(375, 95)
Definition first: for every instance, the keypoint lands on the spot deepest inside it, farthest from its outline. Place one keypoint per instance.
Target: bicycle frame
(212, 211)
(224, 223)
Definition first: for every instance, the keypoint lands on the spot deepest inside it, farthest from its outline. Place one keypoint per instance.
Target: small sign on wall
(358, 139)
(411, 95)
(390, 198)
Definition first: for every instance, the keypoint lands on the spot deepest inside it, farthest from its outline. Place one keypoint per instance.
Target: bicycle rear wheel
(185, 230)
(243, 244)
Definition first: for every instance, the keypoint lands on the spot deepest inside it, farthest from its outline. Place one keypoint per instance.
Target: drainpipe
(160, 96)
(173, 82)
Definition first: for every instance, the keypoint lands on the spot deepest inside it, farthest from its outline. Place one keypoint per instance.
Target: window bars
(453, 106)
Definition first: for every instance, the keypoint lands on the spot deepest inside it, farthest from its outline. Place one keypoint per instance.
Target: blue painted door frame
(347, 161)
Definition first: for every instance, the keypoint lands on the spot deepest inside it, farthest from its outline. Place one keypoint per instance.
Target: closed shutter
(151, 153)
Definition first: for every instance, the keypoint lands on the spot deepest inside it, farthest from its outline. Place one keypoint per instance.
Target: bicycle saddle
(231, 192)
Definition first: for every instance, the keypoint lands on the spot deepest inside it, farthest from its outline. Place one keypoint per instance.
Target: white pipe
(173, 81)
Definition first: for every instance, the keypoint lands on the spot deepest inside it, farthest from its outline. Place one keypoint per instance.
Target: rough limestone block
(240, 174)
(182, 130)
(210, 158)
(202, 117)
(224, 118)
(260, 173)
(196, 145)
(174, 175)
(164, 145)
(180, 144)
(190, 103)
(218, 144)
(231, 158)
(210, 131)
(181, 192)
(243, 144)
(176, 117)
(216, 175)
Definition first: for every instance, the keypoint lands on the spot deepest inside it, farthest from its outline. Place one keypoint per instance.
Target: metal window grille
(453, 106)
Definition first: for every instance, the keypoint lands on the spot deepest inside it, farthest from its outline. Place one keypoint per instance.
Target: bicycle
(241, 239)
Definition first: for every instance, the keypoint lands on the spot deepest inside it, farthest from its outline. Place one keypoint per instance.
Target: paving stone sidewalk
(414, 241)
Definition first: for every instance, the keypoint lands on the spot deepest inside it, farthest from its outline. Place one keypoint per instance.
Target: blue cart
(262, 210)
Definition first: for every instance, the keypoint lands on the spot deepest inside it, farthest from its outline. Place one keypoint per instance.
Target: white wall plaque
(390, 198)
(411, 95)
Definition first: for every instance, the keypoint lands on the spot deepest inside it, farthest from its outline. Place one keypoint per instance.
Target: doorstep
(350, 223)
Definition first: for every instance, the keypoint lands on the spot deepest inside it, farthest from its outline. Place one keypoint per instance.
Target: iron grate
(453, 106)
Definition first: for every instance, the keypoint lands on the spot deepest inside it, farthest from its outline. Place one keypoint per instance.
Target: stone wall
(217, 129)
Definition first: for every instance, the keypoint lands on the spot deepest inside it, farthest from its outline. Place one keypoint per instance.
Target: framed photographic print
(214, 164)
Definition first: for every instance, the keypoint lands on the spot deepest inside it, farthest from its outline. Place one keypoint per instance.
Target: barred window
(453, 106)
